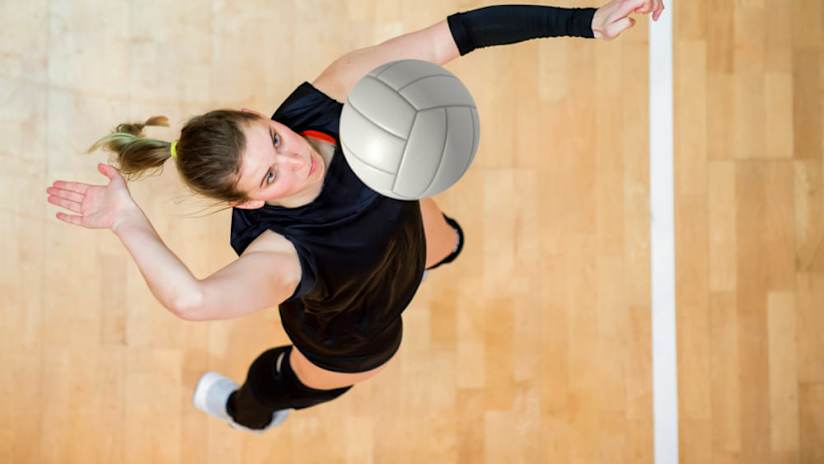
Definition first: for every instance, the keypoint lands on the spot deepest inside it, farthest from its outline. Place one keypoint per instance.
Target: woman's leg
(282, 378)
(441, 238)
(318, 377)
(271, 385)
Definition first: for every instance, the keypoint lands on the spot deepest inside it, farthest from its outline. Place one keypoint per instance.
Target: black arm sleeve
(506, 24)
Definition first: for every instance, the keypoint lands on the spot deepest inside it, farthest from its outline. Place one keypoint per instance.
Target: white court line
(664, 355)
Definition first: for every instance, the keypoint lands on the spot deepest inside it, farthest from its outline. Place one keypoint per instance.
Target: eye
(270, 174)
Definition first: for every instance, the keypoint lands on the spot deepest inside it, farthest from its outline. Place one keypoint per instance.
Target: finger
(625, 9)
(68, 204)
(70, 219)
(615, 29)
(658, 11)
(106, 170)
(67, 194)
(73, 186)
(109, 171)
(649, 5)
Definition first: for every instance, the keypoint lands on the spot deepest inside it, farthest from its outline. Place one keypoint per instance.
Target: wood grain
(535, 345)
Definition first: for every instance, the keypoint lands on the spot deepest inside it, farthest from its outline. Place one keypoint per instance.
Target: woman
(340, 261)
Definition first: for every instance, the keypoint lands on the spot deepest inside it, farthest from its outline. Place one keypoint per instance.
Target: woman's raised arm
(463, 32)
(112, 207)
(433, 44)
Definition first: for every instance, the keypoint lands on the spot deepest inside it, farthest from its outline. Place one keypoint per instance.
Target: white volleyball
(409, 129)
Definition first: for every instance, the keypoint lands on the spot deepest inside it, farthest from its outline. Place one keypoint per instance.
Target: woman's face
(278, 166)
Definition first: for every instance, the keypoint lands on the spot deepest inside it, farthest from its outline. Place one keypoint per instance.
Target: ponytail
(208, 157)
(136, 153)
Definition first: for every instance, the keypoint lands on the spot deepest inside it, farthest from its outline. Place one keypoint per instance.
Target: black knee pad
(458, 249)
(271, 385)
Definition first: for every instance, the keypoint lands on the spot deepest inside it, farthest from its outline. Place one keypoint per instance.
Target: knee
(281, 388)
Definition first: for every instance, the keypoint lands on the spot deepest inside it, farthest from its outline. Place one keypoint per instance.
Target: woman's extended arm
(112, 207)
(461, 33)
(171, 282)
(433, 44)
(259, 279)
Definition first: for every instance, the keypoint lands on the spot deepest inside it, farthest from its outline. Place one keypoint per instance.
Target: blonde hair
(208, 151)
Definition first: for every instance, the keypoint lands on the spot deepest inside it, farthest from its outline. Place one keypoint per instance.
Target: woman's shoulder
(272, 242)
(330, 88)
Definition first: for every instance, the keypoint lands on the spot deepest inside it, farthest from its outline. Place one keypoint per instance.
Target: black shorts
(370, 352)
(365, 356)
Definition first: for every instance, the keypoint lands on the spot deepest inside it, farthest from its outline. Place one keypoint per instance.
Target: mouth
(313, 167)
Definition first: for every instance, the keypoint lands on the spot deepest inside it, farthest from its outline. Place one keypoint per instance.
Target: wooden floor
(535, 345)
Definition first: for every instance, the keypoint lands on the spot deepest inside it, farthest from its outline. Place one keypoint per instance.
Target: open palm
(98, 206)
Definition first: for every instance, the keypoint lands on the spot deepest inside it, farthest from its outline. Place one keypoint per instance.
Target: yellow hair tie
(174, 149)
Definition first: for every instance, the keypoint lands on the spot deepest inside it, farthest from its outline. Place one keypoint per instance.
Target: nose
(292, 161)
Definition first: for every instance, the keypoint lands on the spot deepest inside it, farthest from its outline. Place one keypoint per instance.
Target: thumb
(616, 28)
(108, 171)
(626, 8)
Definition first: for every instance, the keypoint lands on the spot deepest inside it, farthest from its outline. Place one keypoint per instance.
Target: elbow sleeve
(507, 24)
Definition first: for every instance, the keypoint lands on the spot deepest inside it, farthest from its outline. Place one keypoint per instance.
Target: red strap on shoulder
(320, 135)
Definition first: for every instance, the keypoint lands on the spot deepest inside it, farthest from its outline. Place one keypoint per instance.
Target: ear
(249, 204)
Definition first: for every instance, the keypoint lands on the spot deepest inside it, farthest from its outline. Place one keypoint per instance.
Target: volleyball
(409, 129)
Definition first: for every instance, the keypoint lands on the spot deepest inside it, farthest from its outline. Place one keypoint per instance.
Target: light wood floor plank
(535, 345)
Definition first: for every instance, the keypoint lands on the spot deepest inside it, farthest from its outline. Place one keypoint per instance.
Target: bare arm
(112, 207)
(433, 44)
(258, 279)
(495, 25)
(168, 278)
(255, 281)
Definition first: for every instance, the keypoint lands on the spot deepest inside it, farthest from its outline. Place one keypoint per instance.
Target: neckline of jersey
(320, 135)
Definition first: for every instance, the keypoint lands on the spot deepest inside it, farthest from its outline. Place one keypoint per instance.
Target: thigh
(316, 377)
(441, 238)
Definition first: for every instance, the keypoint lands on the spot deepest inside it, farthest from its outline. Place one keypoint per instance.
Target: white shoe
(211, 394)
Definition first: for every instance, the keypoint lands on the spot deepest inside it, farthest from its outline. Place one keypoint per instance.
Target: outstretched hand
(613, 18)
(100, 206)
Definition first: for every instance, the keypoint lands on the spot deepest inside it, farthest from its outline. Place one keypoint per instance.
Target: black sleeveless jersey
(362, 254)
